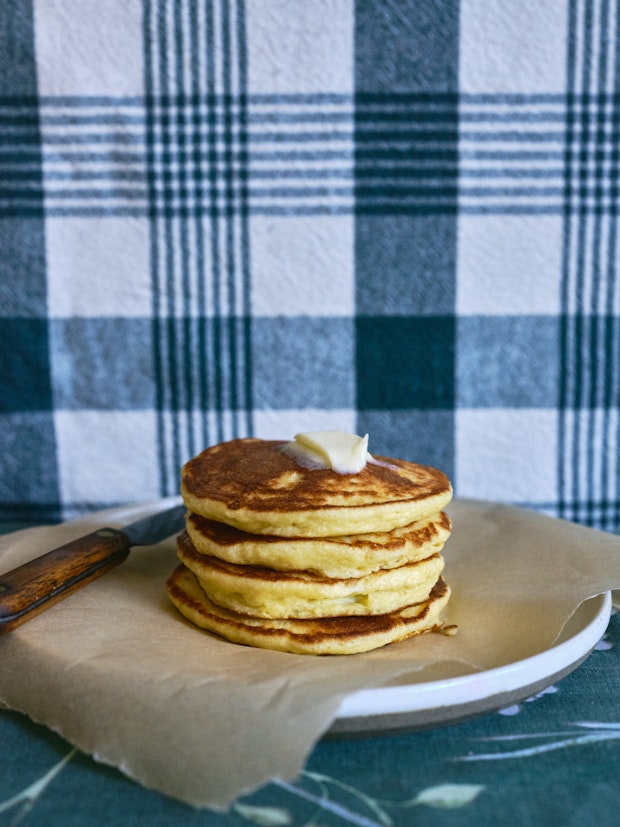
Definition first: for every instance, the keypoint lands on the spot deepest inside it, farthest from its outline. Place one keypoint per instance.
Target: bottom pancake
(317, 636)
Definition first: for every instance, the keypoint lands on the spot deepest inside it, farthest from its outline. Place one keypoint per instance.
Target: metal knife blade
(156, 527)
(29, 589)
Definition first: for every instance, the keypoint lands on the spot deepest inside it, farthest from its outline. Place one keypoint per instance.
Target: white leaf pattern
(264, 816)
(448, 796)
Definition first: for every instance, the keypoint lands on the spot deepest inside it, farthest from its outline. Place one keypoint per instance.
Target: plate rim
(407, 699)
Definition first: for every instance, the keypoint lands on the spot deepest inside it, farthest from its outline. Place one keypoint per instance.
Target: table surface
(552, 759)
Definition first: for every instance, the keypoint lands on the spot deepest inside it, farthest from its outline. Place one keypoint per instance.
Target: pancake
(257, 487)
(352, 555)
(312, 546)
(322, 636)
(264, 592)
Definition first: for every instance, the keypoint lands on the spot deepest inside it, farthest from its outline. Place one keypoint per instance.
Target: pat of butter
(343, 452)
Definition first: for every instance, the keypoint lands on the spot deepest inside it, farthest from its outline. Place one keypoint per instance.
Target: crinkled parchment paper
(120, 674)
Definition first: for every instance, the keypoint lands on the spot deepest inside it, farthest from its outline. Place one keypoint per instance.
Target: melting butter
(343, 452)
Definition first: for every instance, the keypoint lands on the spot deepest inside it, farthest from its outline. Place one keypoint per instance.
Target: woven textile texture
(260, 217)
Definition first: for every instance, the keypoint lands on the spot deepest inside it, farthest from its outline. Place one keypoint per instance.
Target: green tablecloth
(552, 759)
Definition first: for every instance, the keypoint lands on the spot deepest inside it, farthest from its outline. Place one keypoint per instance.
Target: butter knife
(34, 586)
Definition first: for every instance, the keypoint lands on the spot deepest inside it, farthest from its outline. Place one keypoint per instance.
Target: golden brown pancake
(321, 636)
(264, 592)
(255, 486)
(352, 555)
(282, 552)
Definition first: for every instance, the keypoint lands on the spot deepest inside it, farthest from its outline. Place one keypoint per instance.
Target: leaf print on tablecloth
(372, 812)
(516, 708)
(604, 644)
(264, 816)
(448, 796)
(598, 732)
(30, 794)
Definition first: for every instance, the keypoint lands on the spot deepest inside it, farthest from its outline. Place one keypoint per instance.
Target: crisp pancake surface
(350, 555)
(263, 592)
(255, 486)
(322, 636)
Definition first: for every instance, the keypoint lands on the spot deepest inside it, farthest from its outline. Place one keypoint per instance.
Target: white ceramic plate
(414, 704)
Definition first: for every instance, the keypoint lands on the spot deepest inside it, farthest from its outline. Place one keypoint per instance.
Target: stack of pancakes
(302, 559)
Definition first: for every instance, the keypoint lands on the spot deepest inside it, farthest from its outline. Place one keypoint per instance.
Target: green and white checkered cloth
(267, 216)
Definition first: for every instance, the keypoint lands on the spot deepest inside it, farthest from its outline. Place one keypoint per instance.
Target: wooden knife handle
(29, 589)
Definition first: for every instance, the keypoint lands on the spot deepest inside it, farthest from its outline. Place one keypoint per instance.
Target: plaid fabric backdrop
(265, 216)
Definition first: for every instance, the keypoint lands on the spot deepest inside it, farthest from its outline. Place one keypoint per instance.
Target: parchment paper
(120, 674)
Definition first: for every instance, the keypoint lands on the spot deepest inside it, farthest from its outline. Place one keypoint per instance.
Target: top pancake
(255, 486)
